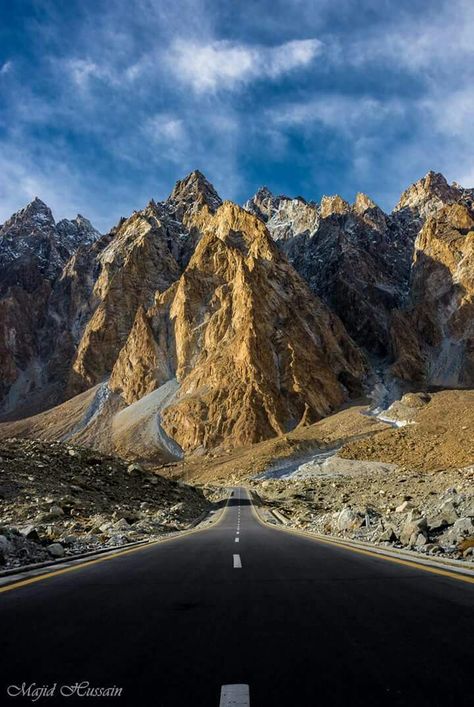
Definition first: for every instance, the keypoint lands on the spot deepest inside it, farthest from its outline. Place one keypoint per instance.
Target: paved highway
(283, 619)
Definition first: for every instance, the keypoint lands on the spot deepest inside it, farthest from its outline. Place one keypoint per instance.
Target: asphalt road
(300, 622)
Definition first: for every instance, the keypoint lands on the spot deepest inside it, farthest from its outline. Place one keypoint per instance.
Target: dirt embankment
(234, 466)
(58, 499)
(440, 436)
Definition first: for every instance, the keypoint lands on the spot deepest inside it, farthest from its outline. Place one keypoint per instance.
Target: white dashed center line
(237, 566)
(235, 695)
(237, 540)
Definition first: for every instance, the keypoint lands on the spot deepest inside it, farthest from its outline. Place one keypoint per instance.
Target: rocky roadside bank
(430, 512)
(60, 500)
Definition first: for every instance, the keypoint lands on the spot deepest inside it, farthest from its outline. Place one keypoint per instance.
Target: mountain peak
(240, 230)
(263, 192)
(333, 205)
(363, 202)
(428, 194)
(35, 216)
(263, 203)
(192, 193)
(35, 207)
(76, 232)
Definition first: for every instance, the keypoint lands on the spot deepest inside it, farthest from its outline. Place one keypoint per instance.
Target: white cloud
(340, 112)
(227, 65)
(441, 40)
(452, 112)
(165, 127)
(6, 67)
(83, 70)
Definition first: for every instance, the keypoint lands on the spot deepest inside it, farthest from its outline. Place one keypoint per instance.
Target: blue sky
(105, 103)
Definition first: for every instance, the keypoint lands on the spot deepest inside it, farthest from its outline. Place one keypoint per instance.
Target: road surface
(301, 623)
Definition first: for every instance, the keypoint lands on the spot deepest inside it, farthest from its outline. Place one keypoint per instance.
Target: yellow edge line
(55, 573)
(370, 553)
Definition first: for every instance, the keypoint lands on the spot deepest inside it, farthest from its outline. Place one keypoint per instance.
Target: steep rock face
(333, 205)
(145, 255)
(252, 350)
(141, 366)
(351, 257)
(69, 296)
(433, 337)
(191, 195)
(33, 252)
(426, 196)
(357, 258)
(133, 266)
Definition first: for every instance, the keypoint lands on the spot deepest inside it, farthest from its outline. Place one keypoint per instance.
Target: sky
(104, 104)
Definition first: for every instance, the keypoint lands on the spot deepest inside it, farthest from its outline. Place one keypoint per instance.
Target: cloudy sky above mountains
(105, 103)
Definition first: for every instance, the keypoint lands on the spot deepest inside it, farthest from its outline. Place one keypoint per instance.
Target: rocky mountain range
(197, 324)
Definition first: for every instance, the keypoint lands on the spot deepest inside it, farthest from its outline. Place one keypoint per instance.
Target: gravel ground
(432, 512)
(58, 499)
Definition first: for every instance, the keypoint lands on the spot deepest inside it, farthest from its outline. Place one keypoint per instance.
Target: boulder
(387, 535)
(30, 533)
(5, 545)
(120, 525)
(348, 519)
(135, 469)
(56, 550)
(462, 528)
(411, 530)
(104, 527)
(420, 540)
(53, 513)
(448, 512)
(403, 507)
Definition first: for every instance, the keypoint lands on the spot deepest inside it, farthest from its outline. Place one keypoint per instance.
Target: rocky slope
(252, 351)
(429, 194)
(430, 513)
(433, 338)
(353, 257)
(59, 499)
(186, 327)
(69, 296)
(34, 250)
(411, 486)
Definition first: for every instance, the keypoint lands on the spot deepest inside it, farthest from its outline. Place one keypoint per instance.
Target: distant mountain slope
(356, 258)
(253, 351)
(433, 337)
(34, 250)
(200, 324)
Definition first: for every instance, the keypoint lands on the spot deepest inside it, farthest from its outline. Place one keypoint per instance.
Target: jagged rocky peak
(285, 217)
(369, 212)
(77, 231)
(263, 204)
(333, 205)
(36, 219)
(427, 195)
(35, 216)
(242, 231)
(191, 194)
(363, 203)
(433, 337)
(248, 348)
